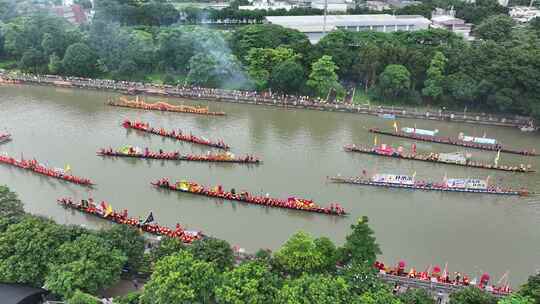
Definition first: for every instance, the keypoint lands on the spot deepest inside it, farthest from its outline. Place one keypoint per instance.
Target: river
(472, 233)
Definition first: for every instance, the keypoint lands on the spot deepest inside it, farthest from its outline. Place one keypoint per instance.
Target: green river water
(300, 148)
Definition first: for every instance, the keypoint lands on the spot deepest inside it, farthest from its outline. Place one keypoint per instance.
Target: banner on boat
(419, 131)
(466, 183)
(456, 157)
(478, 140)
(393, 179)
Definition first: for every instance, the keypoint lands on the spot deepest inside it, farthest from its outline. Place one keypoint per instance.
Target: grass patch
(8, 64)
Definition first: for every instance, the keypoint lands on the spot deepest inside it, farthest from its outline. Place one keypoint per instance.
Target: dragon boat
(441, 279)
(178, 135)
(480, 143)
(5, 138)
(135, 152)
(104, 210)
(36, 167)
(245, 197)
(457, 159)
(475, 186)
(161, 106)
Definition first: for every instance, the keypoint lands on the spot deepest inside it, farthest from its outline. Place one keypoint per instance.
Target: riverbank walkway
(252, 97)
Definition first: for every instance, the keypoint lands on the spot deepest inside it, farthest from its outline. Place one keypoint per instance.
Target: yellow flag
(497, 158)
(375, 140)
(414, 175)
(67, 168)
(108, 211)
(395, 126)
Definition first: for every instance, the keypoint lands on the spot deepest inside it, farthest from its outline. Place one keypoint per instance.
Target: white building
(315, 29)
(333, 5)
(524, 14)
(267, 5)
(446, 20)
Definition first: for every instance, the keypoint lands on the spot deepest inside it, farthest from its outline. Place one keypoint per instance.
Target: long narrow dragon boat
(104, 211)
(245, 197)
(5, 138)
(161, 106)
(178, 135)
(450, 185)
(135, 152)
(441, 279)
(36, 167)
(456, 159)
(488, 145)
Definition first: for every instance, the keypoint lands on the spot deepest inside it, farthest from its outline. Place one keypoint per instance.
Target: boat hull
(365, 182)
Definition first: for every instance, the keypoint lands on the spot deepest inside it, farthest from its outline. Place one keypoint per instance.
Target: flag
(414, 175)
(149, 219)
(108, 211)
(395, 126)
(67, 168)
(496, 161)
(375, 140)
(413, 148)
(445, 272)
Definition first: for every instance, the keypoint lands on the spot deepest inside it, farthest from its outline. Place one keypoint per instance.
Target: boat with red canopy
(245, 197)
(178, 135)
(135, 152)
(34, 166)
(104, 210)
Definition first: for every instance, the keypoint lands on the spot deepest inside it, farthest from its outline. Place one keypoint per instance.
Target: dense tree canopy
(322, 289)
(531, 289)
(472, 295)
(251, 282)
(180, 278)
(304, 254)
(87, 264)
(27, 248)
(127, 240)
(213, 250)
(360, 245)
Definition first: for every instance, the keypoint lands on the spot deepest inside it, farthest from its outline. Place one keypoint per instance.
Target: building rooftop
(315, 23)
(19, 294)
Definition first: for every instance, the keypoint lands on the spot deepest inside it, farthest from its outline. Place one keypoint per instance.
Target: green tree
(55, 64)
(26, 249)
(79, 60)
(10, 205)
(87, 264)
(303, 254)
(167, 246)
(416, 296)
(288, 77)
(213, 250)
(323, 77)
(180, 278)
(130, 298)
(461, 87)
(320, 289)
(360, 245)
(395, 81)
(497, 28)
(80, 297)
(32, 61)
(472, 295)
(361, 278)
(129, 241)
(516, 299)
(531, 289)
(261, 63)
(380, 296)
(269, 36)
(433, 86)
(251, 282)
